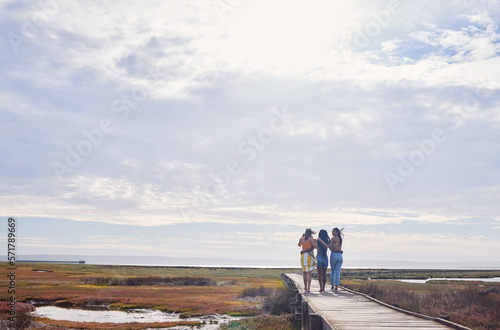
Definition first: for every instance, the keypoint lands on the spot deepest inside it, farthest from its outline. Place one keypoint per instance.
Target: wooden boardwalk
(345, 310)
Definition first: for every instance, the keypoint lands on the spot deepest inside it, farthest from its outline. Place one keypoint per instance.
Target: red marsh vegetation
(473, 304)
(188, 291)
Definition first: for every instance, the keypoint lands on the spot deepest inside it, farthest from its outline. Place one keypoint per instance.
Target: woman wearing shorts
(307, 259)
(322, 257)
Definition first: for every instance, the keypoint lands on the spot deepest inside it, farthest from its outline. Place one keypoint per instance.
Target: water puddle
(138, 315)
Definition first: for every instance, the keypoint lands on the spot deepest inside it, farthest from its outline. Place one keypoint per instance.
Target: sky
(223, 129)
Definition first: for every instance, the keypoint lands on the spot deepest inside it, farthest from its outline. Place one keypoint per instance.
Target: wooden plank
(344, 310)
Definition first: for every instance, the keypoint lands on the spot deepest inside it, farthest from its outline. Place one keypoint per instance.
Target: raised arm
(327, 245)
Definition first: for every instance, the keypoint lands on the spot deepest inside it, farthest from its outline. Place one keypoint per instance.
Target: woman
(336, 258)
(307, 259)
(322, 257)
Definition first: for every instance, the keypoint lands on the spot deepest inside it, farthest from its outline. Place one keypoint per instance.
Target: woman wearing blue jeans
(336, 258)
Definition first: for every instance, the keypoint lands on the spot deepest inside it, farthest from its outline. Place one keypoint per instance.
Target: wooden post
(315, 322)
(304, 316)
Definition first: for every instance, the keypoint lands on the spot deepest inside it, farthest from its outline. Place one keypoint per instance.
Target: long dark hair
(308, 233)
(339, 234)
(324, 236)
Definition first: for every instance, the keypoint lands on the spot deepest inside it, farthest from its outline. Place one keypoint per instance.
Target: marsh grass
(265, 322)
(276, 309)
(146, 280)
(256, 291)
(387, 274)
(182, 290)
(470, 305)
(61, 282)
(276, 301)
(23, 321)
(47, 324)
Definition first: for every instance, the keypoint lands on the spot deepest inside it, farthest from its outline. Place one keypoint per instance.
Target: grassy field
(474, 304)
(364, 274)
(195, 291)
(189, 291)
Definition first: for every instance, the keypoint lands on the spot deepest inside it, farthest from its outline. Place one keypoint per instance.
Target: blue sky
(228, 127)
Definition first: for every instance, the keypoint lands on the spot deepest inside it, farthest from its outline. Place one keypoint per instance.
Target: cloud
(411, 246)
(151, 115)
(471, 43)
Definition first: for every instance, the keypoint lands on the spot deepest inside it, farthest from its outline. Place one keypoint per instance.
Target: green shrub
(255, 292)
(278, 302)
(147, 280)
(23, 321)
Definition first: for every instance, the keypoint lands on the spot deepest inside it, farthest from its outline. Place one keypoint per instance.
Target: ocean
(249, 263)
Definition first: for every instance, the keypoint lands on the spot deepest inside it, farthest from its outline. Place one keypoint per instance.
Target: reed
(265, 322)
(146, 280)
(278, 303)
(476, 307)
(256, 291)
(23, 321)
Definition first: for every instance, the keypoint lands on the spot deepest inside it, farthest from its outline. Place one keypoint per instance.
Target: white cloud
(184, 89)
(410, 246)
